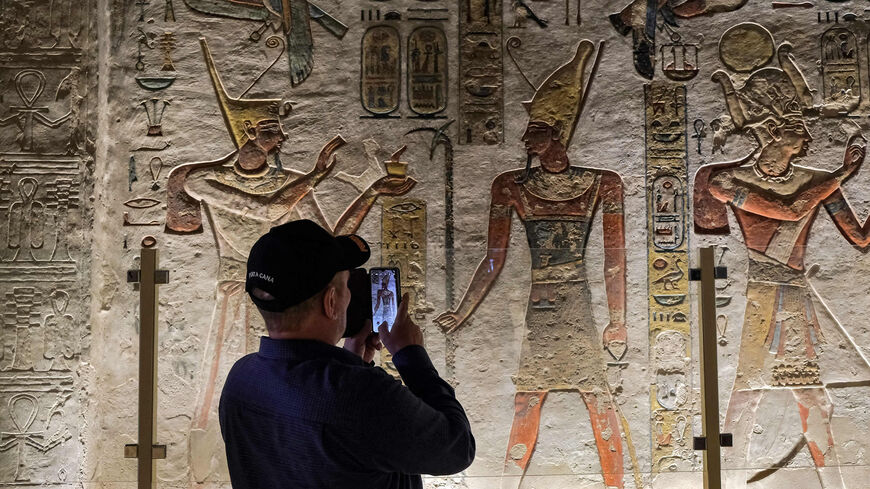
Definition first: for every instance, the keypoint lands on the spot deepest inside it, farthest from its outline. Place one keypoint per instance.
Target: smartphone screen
(385, 296)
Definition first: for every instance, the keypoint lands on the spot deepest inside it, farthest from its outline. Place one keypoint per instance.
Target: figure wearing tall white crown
(788, 341)
(556, 202)
(244, 194)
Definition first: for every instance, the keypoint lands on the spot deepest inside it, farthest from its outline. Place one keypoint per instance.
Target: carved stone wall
(47, 133)
(556, 299)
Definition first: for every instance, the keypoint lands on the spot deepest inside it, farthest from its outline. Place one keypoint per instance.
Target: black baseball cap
(296, 260)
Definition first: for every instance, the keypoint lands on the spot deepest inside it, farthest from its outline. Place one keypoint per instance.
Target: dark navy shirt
(305, 414)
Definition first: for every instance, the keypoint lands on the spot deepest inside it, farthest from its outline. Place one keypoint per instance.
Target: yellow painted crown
(238, 111)
(557, 101)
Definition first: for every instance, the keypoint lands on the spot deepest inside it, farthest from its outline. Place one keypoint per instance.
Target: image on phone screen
(385, 296)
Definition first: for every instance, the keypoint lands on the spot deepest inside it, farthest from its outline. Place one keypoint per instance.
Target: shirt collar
(304, 350)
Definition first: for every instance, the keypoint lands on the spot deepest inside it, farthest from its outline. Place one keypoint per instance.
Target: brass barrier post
(148, 277)
(711, 440)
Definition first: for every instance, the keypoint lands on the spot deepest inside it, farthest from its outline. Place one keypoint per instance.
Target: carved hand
(388, 185)
(852, 159)
(325, 163)
(327, 159)
(449, 321)
(615, 337)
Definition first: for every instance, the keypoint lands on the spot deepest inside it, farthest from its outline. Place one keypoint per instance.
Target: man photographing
(303, 413)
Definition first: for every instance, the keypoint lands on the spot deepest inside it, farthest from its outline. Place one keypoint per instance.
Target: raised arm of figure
(847, 222)
(183, 211)
(613, 219)
(295, 189)
(498, 238)
(728, 189)
(356, 212)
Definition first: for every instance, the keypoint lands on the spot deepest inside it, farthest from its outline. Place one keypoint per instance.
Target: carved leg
(739, 421)
(608, 436)
(206, 455)
(816, 411)
(524, 436)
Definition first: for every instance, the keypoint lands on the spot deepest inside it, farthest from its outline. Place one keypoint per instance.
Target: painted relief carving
(679, 59)
(427, 71)
(522, 13)
(746, 47)
(440, 137)
(788, 340)
(668, 278)
(403, 246)
(290, 17)
(556, 203)
(841, 71)
(154, 109)
(244, 194)
(381, 70)
(155, 75)
(481, 81)
(167, 45)
(640, 18)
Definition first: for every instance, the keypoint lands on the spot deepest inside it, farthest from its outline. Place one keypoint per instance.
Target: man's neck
(768, 159)
(307, 331)
(554, 161)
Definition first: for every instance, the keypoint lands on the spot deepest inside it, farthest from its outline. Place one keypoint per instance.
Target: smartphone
(385, 295)
(360, 307)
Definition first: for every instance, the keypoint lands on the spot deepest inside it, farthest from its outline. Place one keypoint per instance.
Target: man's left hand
(365, 343)
(388, 185)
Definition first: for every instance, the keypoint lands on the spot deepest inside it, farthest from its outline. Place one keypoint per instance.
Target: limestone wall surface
(556, 299)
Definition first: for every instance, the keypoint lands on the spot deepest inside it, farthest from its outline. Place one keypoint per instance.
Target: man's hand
(388, 185)
(404, 332)
(615, 337)
(325, 163)
(449, 321)
(855, 151)
(365, 343)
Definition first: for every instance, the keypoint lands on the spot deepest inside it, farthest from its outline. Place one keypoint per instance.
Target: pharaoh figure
(244, 194)
(775, 202)
(556, 202)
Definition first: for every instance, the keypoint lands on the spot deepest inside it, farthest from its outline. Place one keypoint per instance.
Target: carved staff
(440, 137)
(148, 277)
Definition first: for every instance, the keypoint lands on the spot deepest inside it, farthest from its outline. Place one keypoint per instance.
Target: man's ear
(330, 303)
(250, 131)
(773, 130)
(556, 131)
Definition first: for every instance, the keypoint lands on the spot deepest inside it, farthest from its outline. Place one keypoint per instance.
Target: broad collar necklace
(773, 178)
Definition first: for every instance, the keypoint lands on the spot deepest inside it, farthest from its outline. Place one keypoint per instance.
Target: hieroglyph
(481, 78)
(45, 139)
(668, 275)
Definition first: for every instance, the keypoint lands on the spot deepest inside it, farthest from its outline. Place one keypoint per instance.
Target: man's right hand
(449, 321)
(404, 333)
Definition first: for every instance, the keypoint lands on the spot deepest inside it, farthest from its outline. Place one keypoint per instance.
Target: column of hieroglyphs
(46, 159)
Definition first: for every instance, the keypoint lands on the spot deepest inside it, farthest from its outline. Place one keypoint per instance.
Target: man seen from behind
(304, 413)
